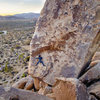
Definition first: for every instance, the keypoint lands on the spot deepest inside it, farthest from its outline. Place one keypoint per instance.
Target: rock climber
(40, 60)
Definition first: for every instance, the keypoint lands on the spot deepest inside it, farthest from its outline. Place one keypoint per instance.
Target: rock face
(95, 59)
(69, 89)
(95, 90)
(25, 83)
(66, 36)
(17, 94)
(92, 75)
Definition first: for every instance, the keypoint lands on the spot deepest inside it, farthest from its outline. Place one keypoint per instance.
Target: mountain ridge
(20, 16)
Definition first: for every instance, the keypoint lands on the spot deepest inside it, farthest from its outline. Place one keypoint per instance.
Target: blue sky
(20, 6)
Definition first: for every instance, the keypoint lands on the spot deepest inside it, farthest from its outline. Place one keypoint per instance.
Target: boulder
(95, 59)
(25, 83)
(37, 83)
(92, 97)
(93, 63)
(67, 35)
(69, 89)
(30, 84)
(18, 94)
(95, 89)
(96, 56)
(45, 91)
(21, 83)
(91, 75)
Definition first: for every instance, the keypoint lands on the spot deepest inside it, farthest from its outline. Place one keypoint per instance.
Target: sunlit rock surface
(69, 89)
(67, 35)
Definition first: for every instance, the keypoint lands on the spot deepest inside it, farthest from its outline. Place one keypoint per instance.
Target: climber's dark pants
(40, 62)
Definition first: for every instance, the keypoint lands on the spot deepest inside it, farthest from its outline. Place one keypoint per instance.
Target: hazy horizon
(19, 13)
(12, 7)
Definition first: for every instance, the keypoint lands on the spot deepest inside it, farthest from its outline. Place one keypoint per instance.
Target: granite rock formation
(69, 89)
(25, 83)
(67, 36)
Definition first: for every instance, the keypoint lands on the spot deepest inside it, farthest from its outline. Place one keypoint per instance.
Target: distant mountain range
(20, 16)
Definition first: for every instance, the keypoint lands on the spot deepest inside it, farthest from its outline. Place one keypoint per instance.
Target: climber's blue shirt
(40, 61)
(40, 58)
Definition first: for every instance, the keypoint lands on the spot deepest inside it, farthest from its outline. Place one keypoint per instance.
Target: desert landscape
(15, 39)
(53, 57)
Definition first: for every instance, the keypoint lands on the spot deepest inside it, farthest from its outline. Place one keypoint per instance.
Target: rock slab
(67, 35)
(17, 94)
(69, 89)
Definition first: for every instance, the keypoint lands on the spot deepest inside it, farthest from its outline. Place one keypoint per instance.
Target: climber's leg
(42, 63)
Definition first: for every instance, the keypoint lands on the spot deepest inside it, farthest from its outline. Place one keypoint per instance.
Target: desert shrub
(12, 49)
(1, 32)
(23, 75)
(26, 59)
(7, 68)
(21, 56)
(27, 42)
(17, 46)
(16, 54)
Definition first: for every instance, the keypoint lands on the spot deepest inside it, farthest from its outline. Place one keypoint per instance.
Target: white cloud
(15, 6)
